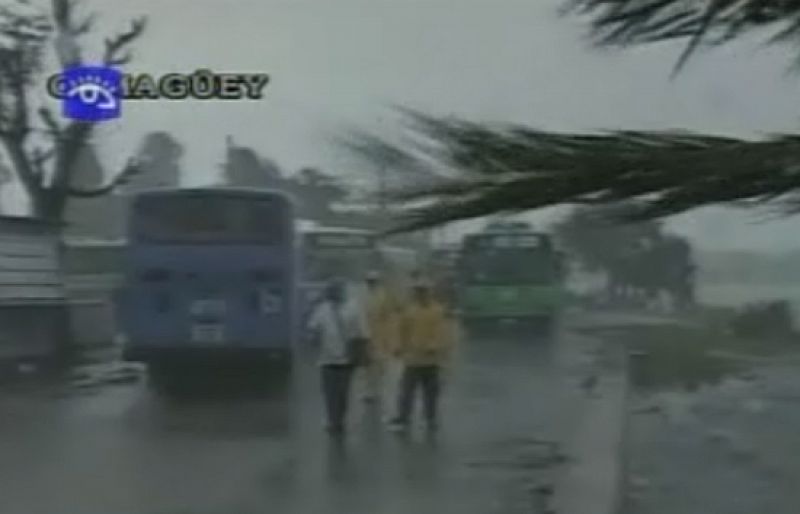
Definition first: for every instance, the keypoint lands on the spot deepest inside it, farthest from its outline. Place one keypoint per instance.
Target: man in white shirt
(335, 322)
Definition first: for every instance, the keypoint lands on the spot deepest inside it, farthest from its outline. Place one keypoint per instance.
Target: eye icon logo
(92, 93)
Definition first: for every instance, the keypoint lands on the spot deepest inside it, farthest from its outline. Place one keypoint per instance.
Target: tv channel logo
(91, 93)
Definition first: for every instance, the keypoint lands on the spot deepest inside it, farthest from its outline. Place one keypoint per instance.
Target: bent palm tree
(513, 168)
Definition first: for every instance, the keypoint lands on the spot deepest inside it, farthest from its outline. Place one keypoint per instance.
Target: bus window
(351, 264)
(509, 267)
(189, 219)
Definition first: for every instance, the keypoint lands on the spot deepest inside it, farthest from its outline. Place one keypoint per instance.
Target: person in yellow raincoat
(426, 340)
(382, 321)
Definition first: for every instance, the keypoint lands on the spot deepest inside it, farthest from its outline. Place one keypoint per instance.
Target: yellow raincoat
(427, 336)
(382, 318)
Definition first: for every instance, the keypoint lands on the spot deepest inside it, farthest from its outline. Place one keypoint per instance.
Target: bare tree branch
(38, 159)
(71, 142)
(50, 122)
(14, 69)
(85, 26)
(26, 34)
(132, 168)
(69, 53)
(122, 60)
(117, 44)
(62, 12)
(22, 165)
(44, 156)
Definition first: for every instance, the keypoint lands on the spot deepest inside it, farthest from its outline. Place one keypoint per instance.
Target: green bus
(510, 274)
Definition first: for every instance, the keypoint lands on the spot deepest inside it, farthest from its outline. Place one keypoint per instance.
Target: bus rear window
(509, 267)
(194, 219)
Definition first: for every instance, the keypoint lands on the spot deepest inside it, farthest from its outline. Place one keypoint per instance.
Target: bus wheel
(162, 379)
(476, 328)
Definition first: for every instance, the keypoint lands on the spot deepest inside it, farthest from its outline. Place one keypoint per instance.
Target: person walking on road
(339, 325)
(381, 319)
(425, 342)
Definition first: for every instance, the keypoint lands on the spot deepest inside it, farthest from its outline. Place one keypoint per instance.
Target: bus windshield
(324, 264)
(523, 258)
(208, 218)
(509, 267)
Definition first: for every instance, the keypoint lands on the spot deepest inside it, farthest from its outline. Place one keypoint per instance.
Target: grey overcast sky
(340, 62)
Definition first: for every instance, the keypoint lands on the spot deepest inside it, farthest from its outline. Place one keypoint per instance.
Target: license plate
(270, 302)
(208, 334)
(208, 307)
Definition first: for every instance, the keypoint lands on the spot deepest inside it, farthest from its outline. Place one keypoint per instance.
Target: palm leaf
(710, 22)
(668, 172)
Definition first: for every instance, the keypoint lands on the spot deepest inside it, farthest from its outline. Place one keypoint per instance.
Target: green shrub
(766, 319)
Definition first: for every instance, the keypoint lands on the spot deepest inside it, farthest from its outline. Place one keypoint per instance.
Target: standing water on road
(124, 448)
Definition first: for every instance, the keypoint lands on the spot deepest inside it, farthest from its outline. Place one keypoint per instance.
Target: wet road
(742, 433)
(122, 449)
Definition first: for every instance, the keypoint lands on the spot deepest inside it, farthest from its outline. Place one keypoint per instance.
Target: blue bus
(209, 280)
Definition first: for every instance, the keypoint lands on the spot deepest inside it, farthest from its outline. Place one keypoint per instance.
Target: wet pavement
(113, 445)
(728, 449)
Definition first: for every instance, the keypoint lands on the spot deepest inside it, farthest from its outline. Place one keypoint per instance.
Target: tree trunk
(46, 204)
(54, 203)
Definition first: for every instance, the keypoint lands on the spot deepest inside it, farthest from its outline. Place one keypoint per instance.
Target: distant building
(34, 322)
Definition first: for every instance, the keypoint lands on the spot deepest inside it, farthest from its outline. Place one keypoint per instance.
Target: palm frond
(669, 172)
(702, 22)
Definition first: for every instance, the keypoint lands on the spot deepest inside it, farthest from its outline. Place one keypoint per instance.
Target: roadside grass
(671, 356)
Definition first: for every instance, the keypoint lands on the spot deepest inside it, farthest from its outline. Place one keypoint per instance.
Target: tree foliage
(159, 155)
(639, 259)
(46, 165)
(103, 216)
(597, 242)
(391, 165)
(317, 192)
(314, 191)
(244, 167)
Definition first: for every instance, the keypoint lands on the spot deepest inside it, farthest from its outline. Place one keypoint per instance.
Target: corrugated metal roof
(94, 241)
(29, 268)
(29, 221)
(313, 227)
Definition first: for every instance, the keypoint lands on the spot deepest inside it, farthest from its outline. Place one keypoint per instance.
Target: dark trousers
(414, 378)
(336, 381)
